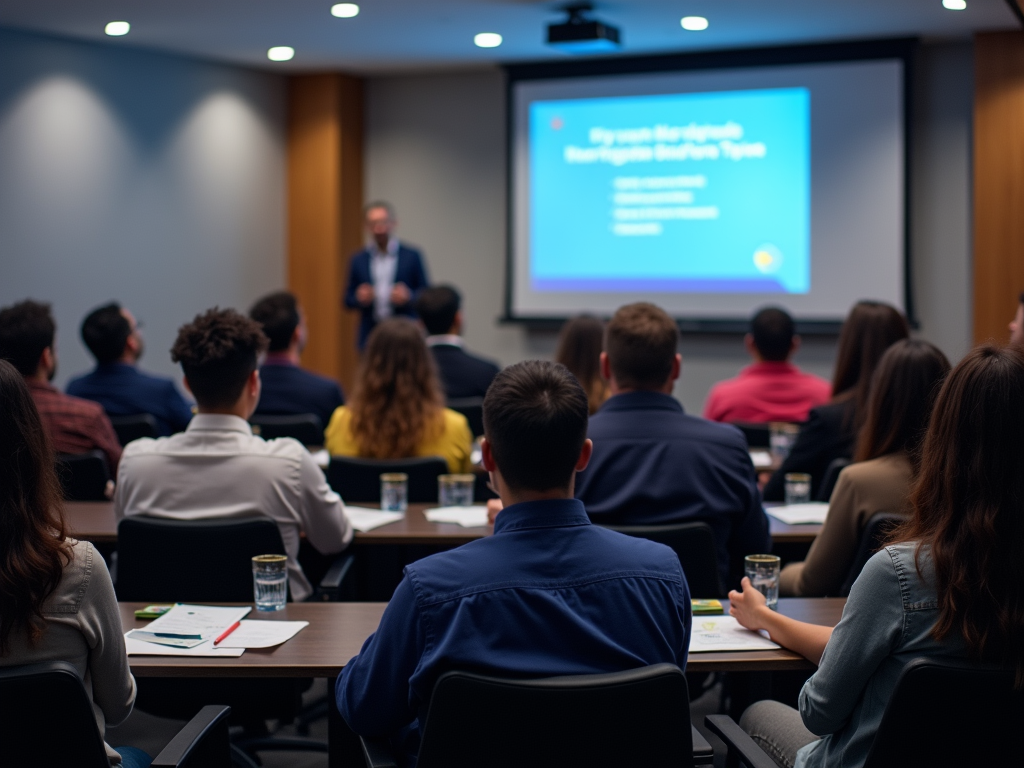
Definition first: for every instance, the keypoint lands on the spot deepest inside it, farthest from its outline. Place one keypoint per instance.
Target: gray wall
(154, 180)
(436, 148)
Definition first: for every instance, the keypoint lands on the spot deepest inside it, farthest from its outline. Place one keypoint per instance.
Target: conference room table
(336, 632)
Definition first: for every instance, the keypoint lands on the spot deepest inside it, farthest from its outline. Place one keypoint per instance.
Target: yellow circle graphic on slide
(767, 259)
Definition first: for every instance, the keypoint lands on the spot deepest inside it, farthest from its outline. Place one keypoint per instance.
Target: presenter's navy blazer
(409, 270)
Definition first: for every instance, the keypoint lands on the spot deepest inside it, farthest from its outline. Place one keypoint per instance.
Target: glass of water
(455, 490)
(798, 488)
(394, 491)
(763, 572)
(270, 582)
(781, 437)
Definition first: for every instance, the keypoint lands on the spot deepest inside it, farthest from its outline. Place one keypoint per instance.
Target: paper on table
(262, 634)
(724, 633)
(761, 459)
(796, 514)
(364, 519)
(187, 626)
(140, 648)
(467, 517)
(321, 458)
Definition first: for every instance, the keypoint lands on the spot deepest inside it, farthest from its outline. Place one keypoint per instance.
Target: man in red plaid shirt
(75, 425)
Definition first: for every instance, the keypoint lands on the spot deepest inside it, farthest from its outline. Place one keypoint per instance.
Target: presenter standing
(385, 276)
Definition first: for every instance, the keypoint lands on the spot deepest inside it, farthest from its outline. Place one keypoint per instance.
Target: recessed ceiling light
(281, 53)
(955, 5)
(117, 28)
(487, 40)
(345, 10)
(693, 23)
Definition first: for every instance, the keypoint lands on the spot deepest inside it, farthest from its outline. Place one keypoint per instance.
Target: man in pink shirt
(772, 389)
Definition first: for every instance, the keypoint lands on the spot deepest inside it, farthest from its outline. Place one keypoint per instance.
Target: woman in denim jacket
(947, 585)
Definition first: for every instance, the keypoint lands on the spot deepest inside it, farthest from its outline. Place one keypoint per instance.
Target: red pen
(227, 632)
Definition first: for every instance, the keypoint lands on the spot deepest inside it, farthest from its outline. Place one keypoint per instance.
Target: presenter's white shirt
(218, 468)
(383, 265)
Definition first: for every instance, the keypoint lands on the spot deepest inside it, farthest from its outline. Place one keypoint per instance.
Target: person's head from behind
(439, 309)
(27, 331)
(31, 513)
(535, 431)
(1017, 325)
(640, 344)
(111, 334)
(968, 505)
(397, 399)
(281, 319)
(903, 390)
(219, 353)
(870, 329)
(380, 222)
(772, 336)
(580, 344)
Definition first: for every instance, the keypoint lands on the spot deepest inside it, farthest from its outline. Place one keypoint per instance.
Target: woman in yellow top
(397, 407)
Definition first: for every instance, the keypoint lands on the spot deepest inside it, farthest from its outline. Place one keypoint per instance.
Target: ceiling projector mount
(581, 33)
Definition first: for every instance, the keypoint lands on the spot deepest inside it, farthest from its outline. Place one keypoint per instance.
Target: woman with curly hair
(397, 408)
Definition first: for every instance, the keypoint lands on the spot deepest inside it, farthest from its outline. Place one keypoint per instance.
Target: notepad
(799, 514)
(139, 648)
(262, 634)
(467, 517)
(761, 459)
(188, 626)
(724, 633)
(364, 519)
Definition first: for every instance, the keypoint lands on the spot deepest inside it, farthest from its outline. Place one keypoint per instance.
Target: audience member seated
(579, 349)
(57, 599)
(397, 408)
(653, 464)
(217, 467)
(74, 425)
(831, 429)
(772, 389)
(900, 402)
(287, 388)
(948, 585)
(1017, 325)
(462, 374)
(548, 594)
(111, 334)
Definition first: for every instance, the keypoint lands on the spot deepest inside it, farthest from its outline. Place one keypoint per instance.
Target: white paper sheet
(364, 519)
(139, 648)
(321, 458)
(724, 633)
(761, 459)
(467, 517)
(797, 514)
(262, 634)
(187, 626)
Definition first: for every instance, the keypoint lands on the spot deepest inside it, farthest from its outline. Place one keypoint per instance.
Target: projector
(581, 34)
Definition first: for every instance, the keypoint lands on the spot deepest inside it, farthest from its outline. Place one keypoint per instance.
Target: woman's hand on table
(749, 607)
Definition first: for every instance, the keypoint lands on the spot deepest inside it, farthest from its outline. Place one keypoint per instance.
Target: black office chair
(694, 544)
(84, 476)
(358, 480)
(757, 435)
(46, 719)
(942, 714)
(473, 409)
(640, 717)
(830, 478)
(133, 427)
(871, 540)
(304, 427)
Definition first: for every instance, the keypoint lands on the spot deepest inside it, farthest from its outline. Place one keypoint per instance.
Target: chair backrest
(46, 718)
(757, 435)
(831, 477)
(304, 427)
(133, 427)
(694, 544)
(871, 539)
(83, 476)
(161, 560)
(473, 409)
(640, 717)
(945, 714)
(358, 480)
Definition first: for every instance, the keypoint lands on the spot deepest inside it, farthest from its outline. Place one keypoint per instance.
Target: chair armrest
(202, 743)
(703, 753)
(738, 742)
(377, 753)
(332, 584)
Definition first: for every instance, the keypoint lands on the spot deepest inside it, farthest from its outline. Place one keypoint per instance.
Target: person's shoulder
(712, 432)
(454, 419)
(638, 552)
(483, 363)
(893, 465)
(410, 250)
(144, 446)
(320, 382)
(79, 383)
(84, 406)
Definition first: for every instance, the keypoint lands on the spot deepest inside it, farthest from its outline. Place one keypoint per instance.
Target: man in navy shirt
(287, 388)
(653, 464)
(547, 594)
(111, 334)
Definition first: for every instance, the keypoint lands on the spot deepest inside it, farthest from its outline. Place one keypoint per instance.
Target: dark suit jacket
(463, 374)
(828, 434)
(124, 390)
(290, 390)
(409, 270)
(655, 465)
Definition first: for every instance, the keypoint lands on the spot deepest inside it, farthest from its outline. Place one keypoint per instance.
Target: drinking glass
(798, 488)
(781, 437)
(394, 491)
(763, 572)
(270, 582)
(455, 490)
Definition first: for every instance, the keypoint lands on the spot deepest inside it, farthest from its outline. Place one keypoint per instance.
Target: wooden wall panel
(998, 181)
(325, 197)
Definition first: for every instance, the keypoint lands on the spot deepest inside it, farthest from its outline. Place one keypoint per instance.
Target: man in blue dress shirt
(112, 335)
(653, 464)
(547, 594)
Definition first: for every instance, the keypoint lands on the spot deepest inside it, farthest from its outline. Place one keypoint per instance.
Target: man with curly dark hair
(217, 467)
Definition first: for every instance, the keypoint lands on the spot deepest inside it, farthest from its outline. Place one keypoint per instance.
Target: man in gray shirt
(217, 467)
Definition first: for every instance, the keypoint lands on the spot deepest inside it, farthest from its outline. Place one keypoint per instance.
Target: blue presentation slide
(692, 192)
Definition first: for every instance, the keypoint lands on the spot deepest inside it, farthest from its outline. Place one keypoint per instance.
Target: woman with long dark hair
(580, 344)
(948, 584)
(57, 602)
